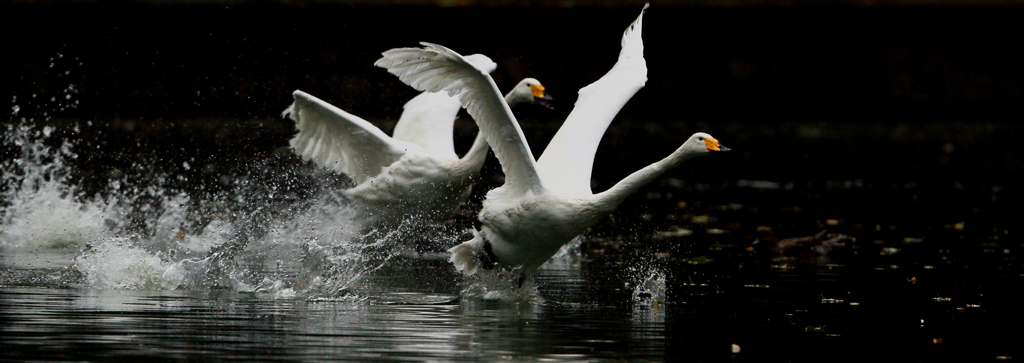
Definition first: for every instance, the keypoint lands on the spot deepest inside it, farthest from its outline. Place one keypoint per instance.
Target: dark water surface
(868, 212)
(93, 324)
(916, 282)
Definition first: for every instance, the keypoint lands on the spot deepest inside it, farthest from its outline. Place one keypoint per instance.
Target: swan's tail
(466, 256)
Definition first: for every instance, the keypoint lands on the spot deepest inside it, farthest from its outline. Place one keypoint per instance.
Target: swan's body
(414, 175)
(543, 204)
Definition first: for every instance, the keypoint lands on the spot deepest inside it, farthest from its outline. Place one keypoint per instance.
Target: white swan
(415, 174)
(546, 203)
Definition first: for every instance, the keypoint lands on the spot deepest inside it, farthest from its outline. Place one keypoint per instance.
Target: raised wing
(436, 68)
(568, 160)
(341, 141)
(428, 119)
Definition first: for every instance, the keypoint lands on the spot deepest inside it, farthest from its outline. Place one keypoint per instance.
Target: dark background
(869, 116)
(890, 91)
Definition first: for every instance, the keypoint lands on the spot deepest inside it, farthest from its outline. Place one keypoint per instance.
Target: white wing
(568, 160)
(436, 68)
(338, 140)
(428, 119)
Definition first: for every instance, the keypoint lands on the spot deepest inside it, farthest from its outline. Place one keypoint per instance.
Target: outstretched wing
(428, 120)
(568, 160)
(341, 141)
(435, 68)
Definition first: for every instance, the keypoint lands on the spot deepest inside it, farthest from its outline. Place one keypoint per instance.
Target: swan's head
(482, 62)
(702, 143)
(529, 90)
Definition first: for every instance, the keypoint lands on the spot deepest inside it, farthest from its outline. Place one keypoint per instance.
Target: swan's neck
(511, 99)
(474, 158)
(614, 196)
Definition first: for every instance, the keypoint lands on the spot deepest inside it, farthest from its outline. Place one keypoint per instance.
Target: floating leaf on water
(675, 232)
(825, 300)
(757, 184)
(699, 260)
(889, 251)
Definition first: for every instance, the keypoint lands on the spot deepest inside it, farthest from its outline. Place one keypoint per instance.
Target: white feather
(540, 207)
(338, 140)
(436, 69)
(568, 160)
(414, 174)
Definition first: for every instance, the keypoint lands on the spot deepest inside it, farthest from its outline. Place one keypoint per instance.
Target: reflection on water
(94, 324)
(264, 265)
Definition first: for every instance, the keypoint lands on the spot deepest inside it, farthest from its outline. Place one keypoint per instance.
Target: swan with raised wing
(543, 204)
(414, 174)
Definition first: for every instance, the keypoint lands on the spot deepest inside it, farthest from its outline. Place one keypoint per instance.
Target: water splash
(146, 233)
(39, 209)
(119, 263)
(500, 285)
(649, 286)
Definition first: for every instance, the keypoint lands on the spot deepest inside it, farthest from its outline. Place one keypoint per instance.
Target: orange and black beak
(713, 145)
(541, 97)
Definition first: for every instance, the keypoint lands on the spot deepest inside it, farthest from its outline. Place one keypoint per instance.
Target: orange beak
(538, 90)
(712, 144)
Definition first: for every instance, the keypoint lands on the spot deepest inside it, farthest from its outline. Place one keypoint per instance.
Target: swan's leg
(487, 258)
(521, 280)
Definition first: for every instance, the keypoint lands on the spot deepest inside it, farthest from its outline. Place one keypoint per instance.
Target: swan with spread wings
(413, 174)
(543, 204)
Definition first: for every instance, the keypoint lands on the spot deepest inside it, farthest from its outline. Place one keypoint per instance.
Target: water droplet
(186, 166)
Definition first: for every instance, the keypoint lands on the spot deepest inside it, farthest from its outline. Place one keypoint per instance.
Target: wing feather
(568, 160)
(429, 121)
(341, 141)
(435, 68)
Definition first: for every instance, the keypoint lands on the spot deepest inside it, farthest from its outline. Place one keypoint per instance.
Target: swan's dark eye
(700, 139)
